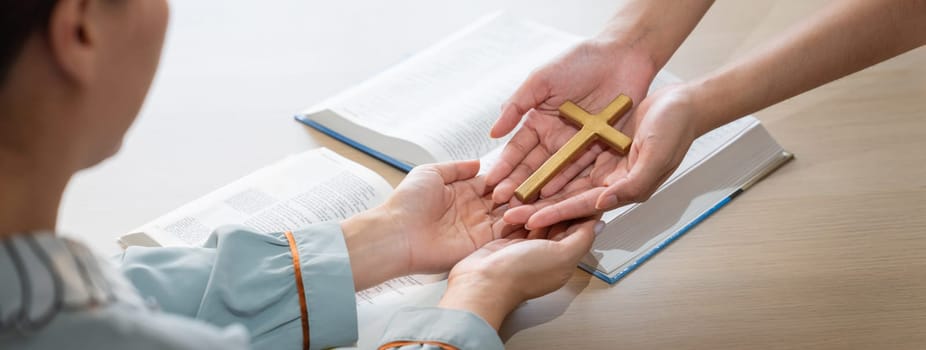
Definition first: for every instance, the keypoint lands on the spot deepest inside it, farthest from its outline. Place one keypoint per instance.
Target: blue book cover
(659, 247)
(353, 143)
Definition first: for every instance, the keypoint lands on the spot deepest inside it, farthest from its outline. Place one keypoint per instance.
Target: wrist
(655, 27)
(708, 101)
(623, 42)
(490, 300)
(377, 251)
(622, 50)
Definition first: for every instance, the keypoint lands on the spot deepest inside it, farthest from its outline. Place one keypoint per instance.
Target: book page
(311, 187)
(446, 98)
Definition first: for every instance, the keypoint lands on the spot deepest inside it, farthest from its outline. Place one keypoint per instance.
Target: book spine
(353, 143)
(784, 158)
(668, 241)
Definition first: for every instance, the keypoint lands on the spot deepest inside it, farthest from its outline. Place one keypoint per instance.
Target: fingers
(501, 229)
(580, 183)
(558, 231)
(610, 165)
(519, 234)
(530, 94)
(572, 207)
(541, 233)
(569, 173)
(505, 189)
(511, 115)
(514, 152)
(456, 171)
(579, 239)
(519, 215)
(639, 184)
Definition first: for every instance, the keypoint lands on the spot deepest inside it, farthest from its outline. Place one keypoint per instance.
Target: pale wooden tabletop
(827, 253)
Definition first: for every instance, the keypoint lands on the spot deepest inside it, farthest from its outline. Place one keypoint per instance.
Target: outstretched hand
(438, 215)
(590, 75)
(663, 128)
(442, 213)
(498, 277)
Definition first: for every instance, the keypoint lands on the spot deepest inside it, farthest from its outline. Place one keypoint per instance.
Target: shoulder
(118, 326)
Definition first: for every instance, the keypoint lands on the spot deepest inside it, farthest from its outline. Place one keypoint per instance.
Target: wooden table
(827, 253)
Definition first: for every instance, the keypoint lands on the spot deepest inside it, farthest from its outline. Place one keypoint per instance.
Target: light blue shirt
(237, 291)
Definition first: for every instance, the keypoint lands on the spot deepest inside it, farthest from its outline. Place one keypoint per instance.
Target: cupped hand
(498, 277)
(591, 75)
(663, 128)
(442, 213)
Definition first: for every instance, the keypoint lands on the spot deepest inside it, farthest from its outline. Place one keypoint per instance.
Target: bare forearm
(377, 254)
(844, 38)
(657, 26)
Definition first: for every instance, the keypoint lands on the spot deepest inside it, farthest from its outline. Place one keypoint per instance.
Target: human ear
(72, 39)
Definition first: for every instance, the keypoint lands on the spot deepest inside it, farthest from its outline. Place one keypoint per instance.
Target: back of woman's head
(18, 20)
(74, 73)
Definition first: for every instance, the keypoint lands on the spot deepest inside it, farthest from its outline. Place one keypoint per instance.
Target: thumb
(637, 185)
(529, 95)
(456, 171)
(577, 243)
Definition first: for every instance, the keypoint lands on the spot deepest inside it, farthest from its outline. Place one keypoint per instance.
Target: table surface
(828, 253)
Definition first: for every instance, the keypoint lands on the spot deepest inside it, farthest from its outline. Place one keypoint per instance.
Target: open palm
(498, 277)
(444, 214)
(663, 129)
(591, 75)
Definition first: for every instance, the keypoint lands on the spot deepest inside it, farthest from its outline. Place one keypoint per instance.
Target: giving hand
(590, 75)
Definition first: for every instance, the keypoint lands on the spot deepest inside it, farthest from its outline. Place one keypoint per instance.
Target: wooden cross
(593, 127)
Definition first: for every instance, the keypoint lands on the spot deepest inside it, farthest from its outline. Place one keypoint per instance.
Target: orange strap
(297, 269)
(397, 344)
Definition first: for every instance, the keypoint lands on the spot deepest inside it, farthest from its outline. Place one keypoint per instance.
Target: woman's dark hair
(18, 20)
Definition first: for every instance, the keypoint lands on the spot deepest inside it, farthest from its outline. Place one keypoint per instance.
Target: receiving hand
(498, 277)
(590, 75)
(442, 213)
(663, 128)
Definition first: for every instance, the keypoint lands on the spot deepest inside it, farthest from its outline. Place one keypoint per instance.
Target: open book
(439, 105)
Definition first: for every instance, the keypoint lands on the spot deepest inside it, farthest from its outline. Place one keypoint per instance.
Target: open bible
(439, 105)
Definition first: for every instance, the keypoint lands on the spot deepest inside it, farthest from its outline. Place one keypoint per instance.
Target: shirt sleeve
(290, 290)
(434, 328)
